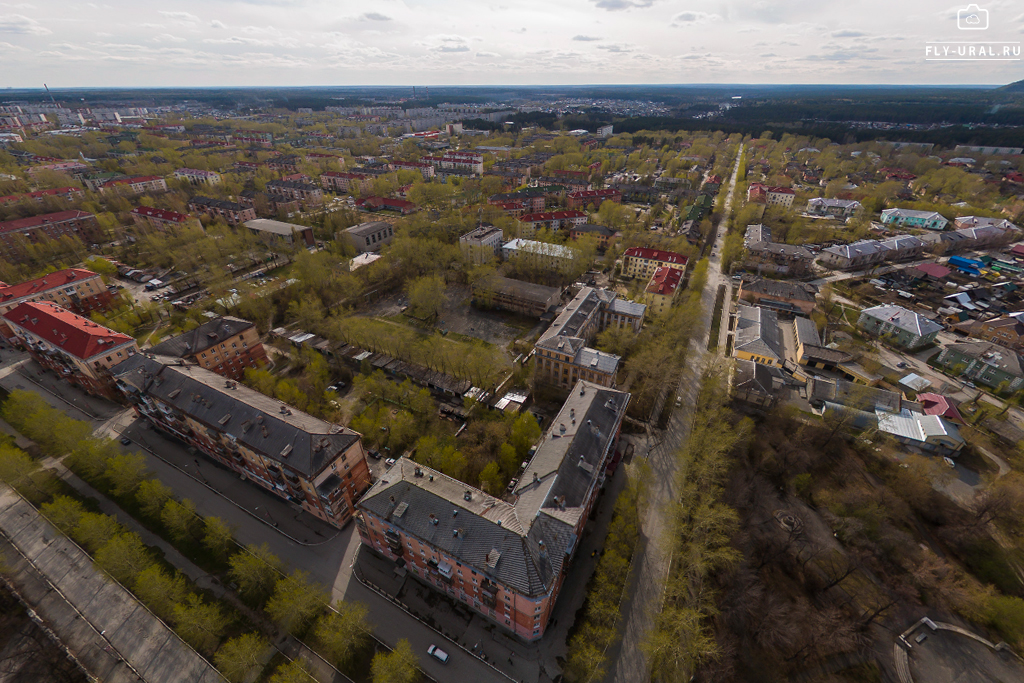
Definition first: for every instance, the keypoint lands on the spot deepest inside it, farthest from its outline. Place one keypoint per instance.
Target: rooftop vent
(400, 510)
(536, 478)
(455, 513)
(468, 495)
(583, 389)
(224, 420)
(174, 394)
(433, 519)
(561, 428)
(431, 477)
(418, 472)
(286, 451)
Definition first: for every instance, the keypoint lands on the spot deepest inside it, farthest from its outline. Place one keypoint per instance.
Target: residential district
(315, 389)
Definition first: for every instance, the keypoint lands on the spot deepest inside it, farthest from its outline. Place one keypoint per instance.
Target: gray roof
(852, 395)
(591, 227)
(792, 250)
(275, 227)
(523, 544)
(862, 248)
(757, 331)
(903, 319)
(517, 288)
(903, 242)
(806, 331)
(781, 289)
(481, 232)
(201, 338)
(757, 233)
(825, 201)
(751, 376)
(573, 318)
(368, 228)
(998, 356)
(301, 442)
(626, 307)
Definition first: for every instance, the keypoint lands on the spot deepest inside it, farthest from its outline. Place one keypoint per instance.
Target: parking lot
(949, 657)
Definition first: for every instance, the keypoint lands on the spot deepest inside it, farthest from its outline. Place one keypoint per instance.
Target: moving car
(437, 653)
(125, 441)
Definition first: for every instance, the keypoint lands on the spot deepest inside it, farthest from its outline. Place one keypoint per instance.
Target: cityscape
(417, 371)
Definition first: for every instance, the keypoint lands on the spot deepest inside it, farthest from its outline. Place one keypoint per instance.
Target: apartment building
(307, 193)
(76, 289)
(903, 328)
(426, 170)
(758, 338)
(301, 458)
(77, 349)
(605, 236)
(505, 559)
(278, 231)
(69, 194)
(458, 161)
(909, 218)
(370, 236)
(197, 176)
(530, 223)
(134, 185)
(579, 200)
(517, 296)
(772, 196)
(482, 243)
(838, 208)
(233, 213)
(662, 290)
(540, 255)
(343, 181)
(162, 219)
(642, 262)
(225, 345)
(50, 226)
(781, 295)
(773, 257)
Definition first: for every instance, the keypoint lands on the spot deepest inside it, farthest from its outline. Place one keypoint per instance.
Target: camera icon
(972, 18)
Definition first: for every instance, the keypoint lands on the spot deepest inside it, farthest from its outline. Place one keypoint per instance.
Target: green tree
(125, 472)
(63, 512)
(255, 569)
(180, 519)
(159, 590)
(124, 557)
(426, 296)
(296, 601)
(397, 666)
(525, 433)
(491, 480)
(94, 529)
(200, 623)
(292, 672)
(239, 657)
(217, 537)
(15, 465)
(342, 632)
(152, 495)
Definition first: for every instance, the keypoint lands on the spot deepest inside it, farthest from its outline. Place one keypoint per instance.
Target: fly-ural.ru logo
(972, 18)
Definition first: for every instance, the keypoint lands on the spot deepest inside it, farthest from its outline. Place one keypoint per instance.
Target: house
(757, 336)
(662, 290)
(927, 433)
(525, 298)
(530, 223)
(50, 226)
(369, 236)
(1006, 331)
(279, 231)
(562, 354)
(862, 254)
(779, 295)
(271, 204)
(903, 328)
(161, 219)
(782, 259)
(503, 558)
(987, 236)
(533, 200)
(225, 345)
(306, 193)
(772, 196)
(753, 383)
(197, 176)
(937, 404)
(233, 213)
(540, 255)
(482, 243)
(929, 271)
(579, 200)
(979, 221)
(641, 262)
(840, 208)
(77, 349)
(133, 185)
(76, 289)
(994, 366)
(605, 236)
(316, 464)
(909, 218)
(822, 393)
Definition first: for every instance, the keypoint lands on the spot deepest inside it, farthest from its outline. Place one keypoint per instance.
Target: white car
(437, 653)
(949, 462)
(389, 462)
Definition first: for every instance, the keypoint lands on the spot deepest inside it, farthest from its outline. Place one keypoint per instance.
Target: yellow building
(642, 262)
(662, 290)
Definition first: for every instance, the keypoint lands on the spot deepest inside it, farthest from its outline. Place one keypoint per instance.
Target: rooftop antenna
(49, 93)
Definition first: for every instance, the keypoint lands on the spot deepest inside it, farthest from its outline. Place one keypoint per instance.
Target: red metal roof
(551, 215)
(665, 281)
(161, 214)
(934, 270)
(46, 218)
(61, 278)
(656, 255)
(937, 404)
(39, 194)
(76, 335)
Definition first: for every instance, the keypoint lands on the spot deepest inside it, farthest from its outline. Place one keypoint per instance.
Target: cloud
(614, 48)
(170, 38)
(216, 23)
(690, 17)
(585, 39)
(848, 33)
(451, 48)
(22, 25)
(619, 5)
(181, 16)
(375, 16)
(483, 55)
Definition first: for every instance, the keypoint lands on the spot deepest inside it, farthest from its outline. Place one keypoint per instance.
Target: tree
(201, 624)
(95, 529)
(217, 537)
(180, 519)
(426, 296)
(397, 666)
(296, 601)
(152, 495)
(255, 569)
(64, 513)
(159, 590)
(124, 557)
(125, 472)
(491, 480)
(240, 656)
(292, 672)
(342, 632)
(15, 465)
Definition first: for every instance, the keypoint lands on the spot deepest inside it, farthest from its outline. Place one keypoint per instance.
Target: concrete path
(114, 636)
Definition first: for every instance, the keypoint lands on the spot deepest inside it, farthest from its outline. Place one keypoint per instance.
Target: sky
(69, 43)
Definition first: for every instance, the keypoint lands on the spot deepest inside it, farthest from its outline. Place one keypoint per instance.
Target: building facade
(642, 262)
(161, 219)
(517, 296)
(482, 243)
(994, 366)
(909, 218)
(14, 234)
(233, 213)
(197, 176)
(226, 345)
(369, 236)
(662, 290)
(904, 328)
(76, 289)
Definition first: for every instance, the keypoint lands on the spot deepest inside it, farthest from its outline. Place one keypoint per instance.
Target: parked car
(949, 462)
(438, 654)
(901, 364)
(970, 384)
(125, 441)
(375, 455)
(389, 462)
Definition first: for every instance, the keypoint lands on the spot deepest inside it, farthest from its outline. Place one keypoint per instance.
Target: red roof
(656, 255)
(39, 194)
(132, 180)
(76, 335)
(665, 281)
(551, 215)
(61, 278)
(385, 201)
(344, 174)
(37, 221)
(937, 404)
(413, 164)
(934, 270)
(161, 214)
(1018, 250)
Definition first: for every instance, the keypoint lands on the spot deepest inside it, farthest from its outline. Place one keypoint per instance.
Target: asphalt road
(627, 662)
